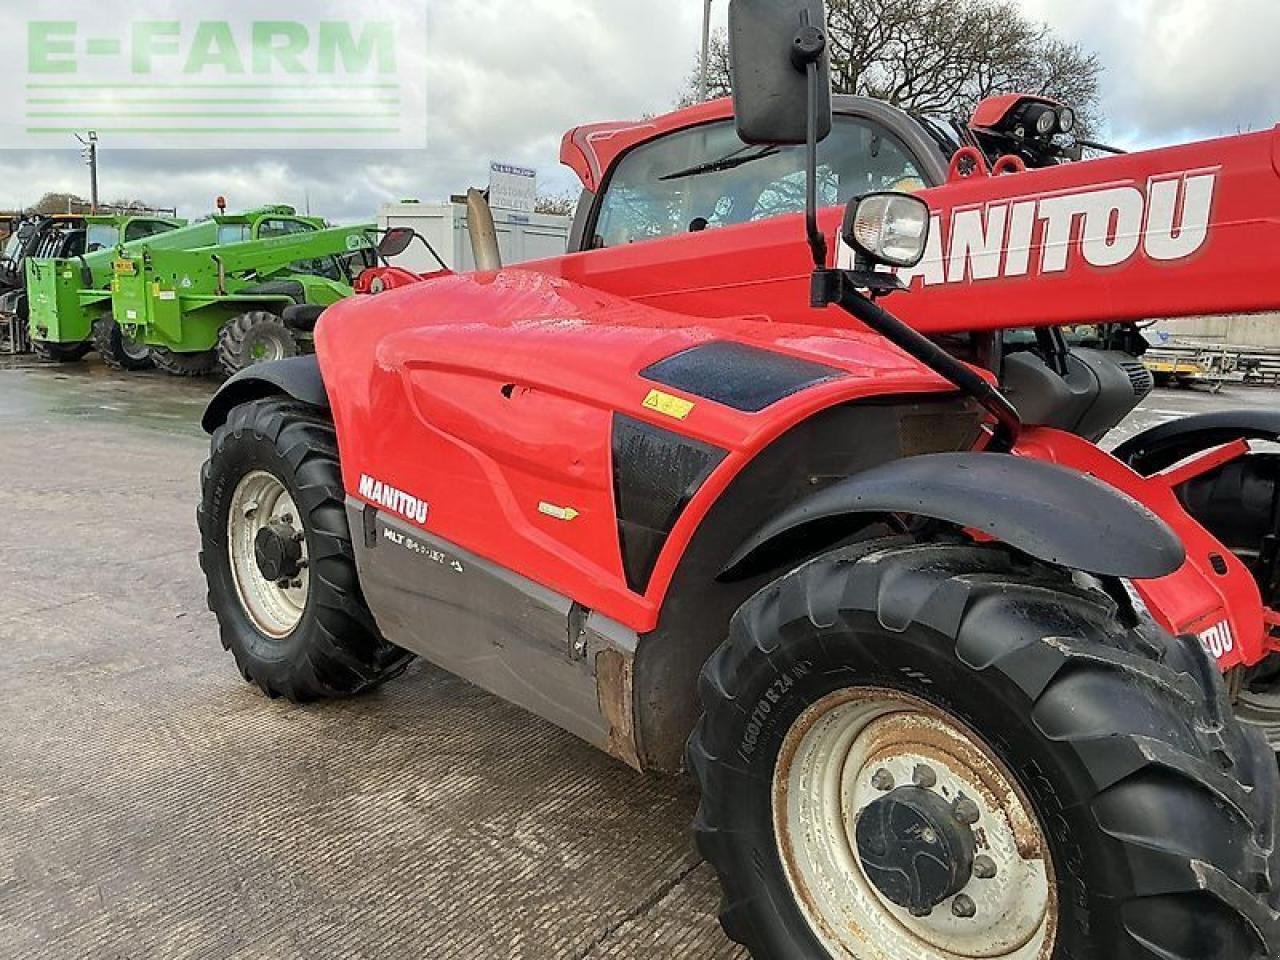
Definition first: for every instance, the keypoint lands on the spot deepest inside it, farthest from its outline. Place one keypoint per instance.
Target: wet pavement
(153, 805)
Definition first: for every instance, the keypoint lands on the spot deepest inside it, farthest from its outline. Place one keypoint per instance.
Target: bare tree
(939, 57)
(52, 203)
(561, 204)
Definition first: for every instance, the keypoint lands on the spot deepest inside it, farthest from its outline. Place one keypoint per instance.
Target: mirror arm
(840, 287)
(817, 242)
(809, 48)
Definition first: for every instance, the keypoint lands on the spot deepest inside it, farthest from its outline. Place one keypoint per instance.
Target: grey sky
(508, 77)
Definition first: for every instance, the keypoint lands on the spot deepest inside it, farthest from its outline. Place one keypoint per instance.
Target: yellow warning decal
(125, 267)
(668, 405)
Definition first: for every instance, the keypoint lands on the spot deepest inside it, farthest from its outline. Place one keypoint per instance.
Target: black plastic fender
(1163, 446)
(1052, 513)
(297, 377)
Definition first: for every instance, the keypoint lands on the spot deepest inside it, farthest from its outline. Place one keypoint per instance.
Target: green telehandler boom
(234, 304)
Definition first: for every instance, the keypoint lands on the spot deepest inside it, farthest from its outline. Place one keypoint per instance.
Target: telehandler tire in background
(118, 351)
(254, 337)
(200, 364)
(47, 351)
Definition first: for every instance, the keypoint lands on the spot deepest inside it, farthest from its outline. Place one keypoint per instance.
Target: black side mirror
(771, 46)
(395, 241)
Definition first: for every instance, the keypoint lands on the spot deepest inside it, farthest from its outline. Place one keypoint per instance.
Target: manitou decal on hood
(1034, 236)
(396, 501)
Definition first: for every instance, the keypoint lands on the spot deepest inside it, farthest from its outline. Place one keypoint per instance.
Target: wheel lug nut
(882, 780)
(984, 868)
(964, 907)
(286, 518)
(924, 777)
(966, 811)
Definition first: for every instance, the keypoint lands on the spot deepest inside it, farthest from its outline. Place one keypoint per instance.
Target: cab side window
(138, 229)
(706, 177)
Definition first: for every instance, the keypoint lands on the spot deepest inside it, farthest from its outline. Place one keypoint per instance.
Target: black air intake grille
(655, 474)
(1141, 378)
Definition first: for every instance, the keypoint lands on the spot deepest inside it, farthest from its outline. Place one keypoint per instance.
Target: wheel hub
(277, 549)
(914, 849)
(904, 837)
(267, 554)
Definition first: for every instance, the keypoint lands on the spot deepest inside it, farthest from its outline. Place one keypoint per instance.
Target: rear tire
(1239, 503)
(1157, 807)
(254, 337)
(47, 351)
(317, 639)
(200, 364)
(118, 351)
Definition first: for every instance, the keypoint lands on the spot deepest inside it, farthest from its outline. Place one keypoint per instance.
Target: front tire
(118, 351)
(199, 364)
(1104, 756)
(48, 351)
(277, 555)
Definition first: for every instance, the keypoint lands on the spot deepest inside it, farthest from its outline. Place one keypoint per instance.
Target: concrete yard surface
(156, 806)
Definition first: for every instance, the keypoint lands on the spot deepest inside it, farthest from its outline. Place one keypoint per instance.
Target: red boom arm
(1182, 231)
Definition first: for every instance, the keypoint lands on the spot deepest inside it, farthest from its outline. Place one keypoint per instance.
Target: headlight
(1066, 120)
(1046, 122)
(888, 228)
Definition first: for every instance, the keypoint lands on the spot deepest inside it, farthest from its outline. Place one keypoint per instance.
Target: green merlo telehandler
(253, 297)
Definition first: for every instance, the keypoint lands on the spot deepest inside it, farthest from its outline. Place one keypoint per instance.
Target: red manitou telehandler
(954, 682)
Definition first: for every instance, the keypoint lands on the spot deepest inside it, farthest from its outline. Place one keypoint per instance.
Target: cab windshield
(705, 178)
(101, 236)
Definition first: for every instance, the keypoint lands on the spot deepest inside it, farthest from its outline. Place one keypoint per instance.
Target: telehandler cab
(943, 669)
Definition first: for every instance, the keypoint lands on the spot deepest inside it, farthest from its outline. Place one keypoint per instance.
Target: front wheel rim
(275, 608)
(856, 746)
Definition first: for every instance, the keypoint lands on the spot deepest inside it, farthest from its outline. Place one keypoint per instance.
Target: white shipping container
(521, 236)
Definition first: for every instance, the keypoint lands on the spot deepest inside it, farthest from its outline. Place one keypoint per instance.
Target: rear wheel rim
(266, 348)
(843, 754)
(261, 500)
